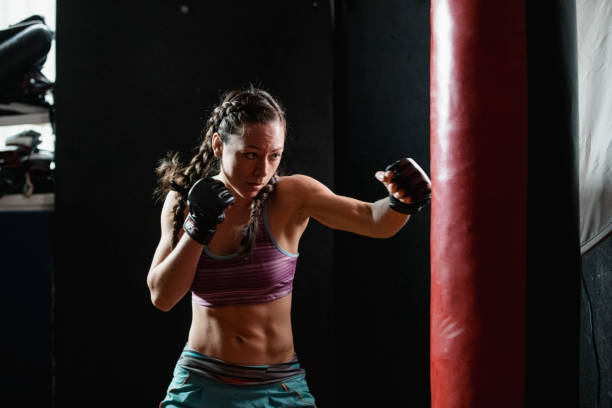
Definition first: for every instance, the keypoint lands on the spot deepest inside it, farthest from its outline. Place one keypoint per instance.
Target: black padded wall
(381, 332)
(134, 80)
(553, 255)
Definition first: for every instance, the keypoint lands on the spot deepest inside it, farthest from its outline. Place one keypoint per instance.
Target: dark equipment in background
(24, 168)
(23, 51)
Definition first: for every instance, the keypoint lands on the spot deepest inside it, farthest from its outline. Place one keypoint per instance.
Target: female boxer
(230, 234)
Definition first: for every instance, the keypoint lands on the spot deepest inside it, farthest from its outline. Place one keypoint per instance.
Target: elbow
(160, 303)
(164, 307)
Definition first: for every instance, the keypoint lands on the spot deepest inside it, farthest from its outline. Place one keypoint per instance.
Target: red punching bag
(478, 227)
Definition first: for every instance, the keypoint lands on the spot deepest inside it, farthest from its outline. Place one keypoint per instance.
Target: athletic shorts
(203, 381)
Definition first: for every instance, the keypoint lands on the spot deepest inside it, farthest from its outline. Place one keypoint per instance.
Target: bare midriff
(258, 334)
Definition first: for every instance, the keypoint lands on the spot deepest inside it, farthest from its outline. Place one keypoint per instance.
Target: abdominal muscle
(258, 334)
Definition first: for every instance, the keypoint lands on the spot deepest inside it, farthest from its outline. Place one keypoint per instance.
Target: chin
(251, 194)
(248, 194)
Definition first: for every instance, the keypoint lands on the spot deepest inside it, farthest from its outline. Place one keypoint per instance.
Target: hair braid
(251, 229)
(180, 178)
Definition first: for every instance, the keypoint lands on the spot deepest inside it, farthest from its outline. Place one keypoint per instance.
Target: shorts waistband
(223, 371)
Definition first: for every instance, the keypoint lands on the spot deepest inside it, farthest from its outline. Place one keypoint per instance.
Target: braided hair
(236, 108)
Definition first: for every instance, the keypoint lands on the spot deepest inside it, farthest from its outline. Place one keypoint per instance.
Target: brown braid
(237, 108)
(251, 229)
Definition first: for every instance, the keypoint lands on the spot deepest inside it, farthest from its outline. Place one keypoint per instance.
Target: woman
(230, 233)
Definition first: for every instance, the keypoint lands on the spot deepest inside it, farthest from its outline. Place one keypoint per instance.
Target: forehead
(269, 136)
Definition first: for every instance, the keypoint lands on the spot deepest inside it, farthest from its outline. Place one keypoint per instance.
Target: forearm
(385, 221)
(171, 278)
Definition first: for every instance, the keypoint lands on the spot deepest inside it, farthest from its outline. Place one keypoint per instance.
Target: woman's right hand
(173, 268)
(207, 199)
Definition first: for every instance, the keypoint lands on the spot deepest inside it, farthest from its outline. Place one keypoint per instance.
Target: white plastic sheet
(594, 25)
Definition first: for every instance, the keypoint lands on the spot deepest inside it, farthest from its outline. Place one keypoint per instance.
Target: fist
(207, 200)
(408, 185)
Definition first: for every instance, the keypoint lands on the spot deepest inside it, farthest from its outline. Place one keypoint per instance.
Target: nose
(261, 168)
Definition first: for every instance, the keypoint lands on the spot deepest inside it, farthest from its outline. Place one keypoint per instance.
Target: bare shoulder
(297, 191)
(300, 185)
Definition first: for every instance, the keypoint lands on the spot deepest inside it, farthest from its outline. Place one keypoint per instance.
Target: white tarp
(594, 25)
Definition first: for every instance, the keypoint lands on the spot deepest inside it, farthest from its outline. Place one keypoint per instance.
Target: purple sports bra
(265, 274)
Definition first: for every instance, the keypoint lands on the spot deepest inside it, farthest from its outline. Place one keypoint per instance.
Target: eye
(276, 156)
(250, 155)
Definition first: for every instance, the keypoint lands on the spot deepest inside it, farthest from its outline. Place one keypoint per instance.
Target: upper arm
(332, 210)
(167, 229)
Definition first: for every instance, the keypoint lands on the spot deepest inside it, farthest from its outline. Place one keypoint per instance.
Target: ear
(217, 145)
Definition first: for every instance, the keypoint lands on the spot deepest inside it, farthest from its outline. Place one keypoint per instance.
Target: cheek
(229, 165)
(238, 167)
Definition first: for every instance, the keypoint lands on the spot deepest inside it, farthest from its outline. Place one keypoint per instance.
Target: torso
(253, 334)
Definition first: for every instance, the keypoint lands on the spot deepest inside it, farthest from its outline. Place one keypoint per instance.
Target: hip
(201, 381)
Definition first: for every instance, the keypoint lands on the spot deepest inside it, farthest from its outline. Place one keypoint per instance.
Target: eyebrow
(257, 148)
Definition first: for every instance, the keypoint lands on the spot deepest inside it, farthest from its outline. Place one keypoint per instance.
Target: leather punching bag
(478, 231)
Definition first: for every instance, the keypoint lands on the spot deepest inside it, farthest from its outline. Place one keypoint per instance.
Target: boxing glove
(409, 176)
(207, 200)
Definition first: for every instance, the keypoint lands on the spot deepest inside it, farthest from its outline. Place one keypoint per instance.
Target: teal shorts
(189, 390)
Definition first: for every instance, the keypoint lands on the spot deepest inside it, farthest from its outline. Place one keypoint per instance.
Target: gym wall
(135, 80)
(381, 296)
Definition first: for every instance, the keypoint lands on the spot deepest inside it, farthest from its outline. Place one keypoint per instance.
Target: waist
(245, 334)
(219, 370)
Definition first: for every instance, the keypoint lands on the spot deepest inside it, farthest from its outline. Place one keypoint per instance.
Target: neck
(241, 204)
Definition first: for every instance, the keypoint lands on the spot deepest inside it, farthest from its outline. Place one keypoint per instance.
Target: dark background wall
(137, 79)
(381, 292)
(553, 254)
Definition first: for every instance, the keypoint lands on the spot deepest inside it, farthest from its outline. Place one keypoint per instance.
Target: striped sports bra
(265, 274)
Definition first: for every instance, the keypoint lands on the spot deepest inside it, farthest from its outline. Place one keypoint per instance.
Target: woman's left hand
(408, 185)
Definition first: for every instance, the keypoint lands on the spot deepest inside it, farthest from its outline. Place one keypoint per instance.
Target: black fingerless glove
(207, 200)
(412, 179)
